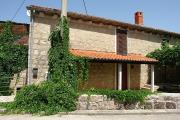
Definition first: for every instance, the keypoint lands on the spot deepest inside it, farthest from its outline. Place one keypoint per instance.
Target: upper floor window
(121, 41)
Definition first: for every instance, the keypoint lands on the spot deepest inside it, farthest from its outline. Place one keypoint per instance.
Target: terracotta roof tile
(112, 56)
(23, 40)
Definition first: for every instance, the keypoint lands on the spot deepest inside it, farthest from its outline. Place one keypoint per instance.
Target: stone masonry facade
(101, 75)
(100, 102)
(91, 36)
(40, 46)
(82, 36)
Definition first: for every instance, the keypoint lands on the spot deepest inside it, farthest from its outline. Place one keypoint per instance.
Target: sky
(161, 14)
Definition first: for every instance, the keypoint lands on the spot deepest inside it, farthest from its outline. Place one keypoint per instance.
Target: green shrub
(13, 58)
(47, 98)
(127, 96)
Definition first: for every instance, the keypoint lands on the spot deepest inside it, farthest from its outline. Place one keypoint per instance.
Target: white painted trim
(119, 76)
(115, 80)
(129, 76)
(152, 78)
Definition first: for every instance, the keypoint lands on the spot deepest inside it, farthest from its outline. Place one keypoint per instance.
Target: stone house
(117, 50)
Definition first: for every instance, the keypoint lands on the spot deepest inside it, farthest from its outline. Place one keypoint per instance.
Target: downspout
(29, 80)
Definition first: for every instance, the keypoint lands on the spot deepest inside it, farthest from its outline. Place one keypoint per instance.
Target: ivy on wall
(13, 58)
(63, 66)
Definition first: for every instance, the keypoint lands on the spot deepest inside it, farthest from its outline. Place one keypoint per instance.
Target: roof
(17, 23)
(105, 21)
(23, 40)
(94, 55)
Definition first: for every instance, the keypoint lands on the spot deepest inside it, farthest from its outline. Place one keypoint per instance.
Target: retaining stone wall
(100, 102)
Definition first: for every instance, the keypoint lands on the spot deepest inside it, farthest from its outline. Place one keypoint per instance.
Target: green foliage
(13, 58)
(167, 55)
(47, 98)
(126, 96)
(63, 66)
(6, 36)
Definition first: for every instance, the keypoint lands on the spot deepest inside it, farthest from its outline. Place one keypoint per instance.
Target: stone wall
(83, 35)
(86, 36)
(100, 102)
(101, 75)
(40, 46)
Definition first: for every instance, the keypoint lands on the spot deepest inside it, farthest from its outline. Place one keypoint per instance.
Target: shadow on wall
(167, 78)
(135, 76)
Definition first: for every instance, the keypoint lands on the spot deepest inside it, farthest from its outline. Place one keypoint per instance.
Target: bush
(127, 96)
(47, 98)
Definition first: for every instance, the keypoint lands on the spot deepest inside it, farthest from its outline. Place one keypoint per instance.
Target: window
(35, 73)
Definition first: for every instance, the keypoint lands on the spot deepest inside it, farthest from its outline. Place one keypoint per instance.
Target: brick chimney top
(139, 20)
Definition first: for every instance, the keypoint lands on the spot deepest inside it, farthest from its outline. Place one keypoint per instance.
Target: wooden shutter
(121, 42)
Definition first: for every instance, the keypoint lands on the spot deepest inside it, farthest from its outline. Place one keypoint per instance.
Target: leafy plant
(167, 55)
(13, 58)
(63, 66)
(47, 98)
(126, 96)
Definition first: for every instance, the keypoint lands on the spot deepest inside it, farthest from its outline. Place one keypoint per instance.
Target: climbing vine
(13, 58)
(63, 66)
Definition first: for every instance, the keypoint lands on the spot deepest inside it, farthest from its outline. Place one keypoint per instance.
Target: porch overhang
(113, 57)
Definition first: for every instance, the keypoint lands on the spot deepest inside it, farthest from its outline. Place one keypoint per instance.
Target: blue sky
(163, 14)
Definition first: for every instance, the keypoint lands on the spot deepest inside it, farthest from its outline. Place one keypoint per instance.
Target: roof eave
(74, 15)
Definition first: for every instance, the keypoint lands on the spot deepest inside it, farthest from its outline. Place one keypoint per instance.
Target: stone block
(105, 98)
(96, 98)
(36, 52)
(102, 106)
(159, 105)
(171, 105)
(178, 105)
(7, 98)
(148, 105)
(131, 106)
(82, 105)
(43, 53)
(170, 98)
(111, 105)
(154, 98)
(119, 106)
(83, 98)
(93, 106)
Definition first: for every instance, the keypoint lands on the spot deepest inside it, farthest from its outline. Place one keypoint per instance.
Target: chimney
(139, 20)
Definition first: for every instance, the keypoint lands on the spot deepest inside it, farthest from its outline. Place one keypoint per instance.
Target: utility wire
(19, 8)
(85, 7)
